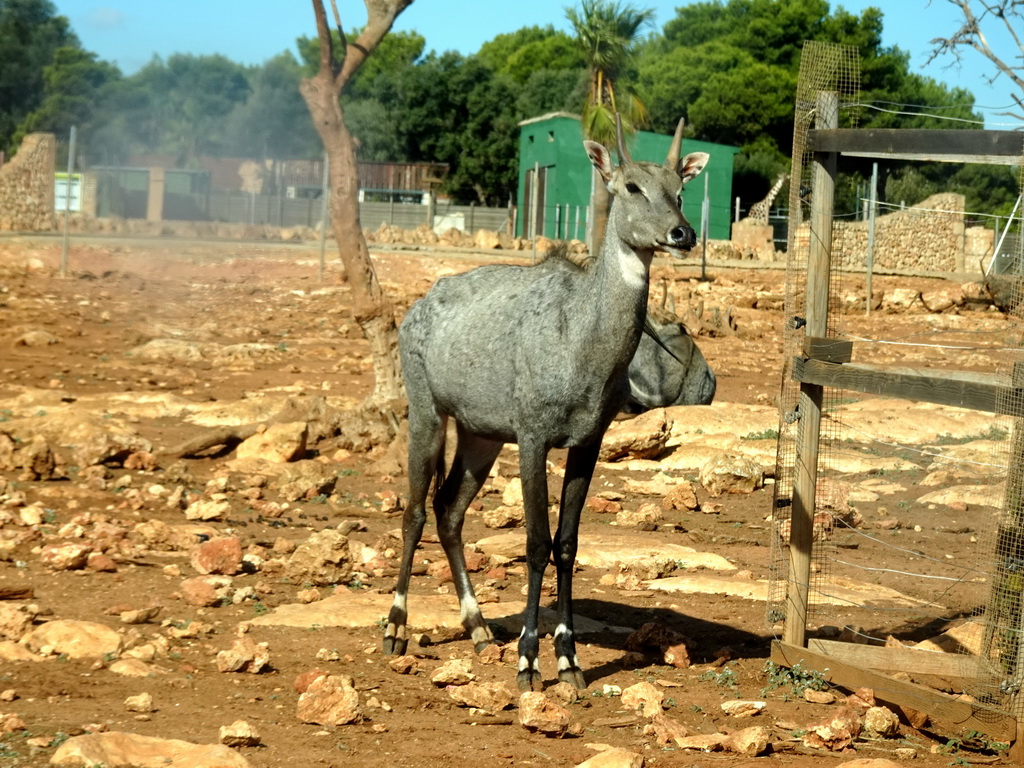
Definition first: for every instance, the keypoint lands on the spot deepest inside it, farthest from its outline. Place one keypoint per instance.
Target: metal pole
(67, 201)
(705, 222)
(736, 215)
(534, 187)
(576, 225)
(872, 212)
(999, 238)
(325, 194)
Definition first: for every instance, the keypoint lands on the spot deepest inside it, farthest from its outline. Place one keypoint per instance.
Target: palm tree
(607, 32)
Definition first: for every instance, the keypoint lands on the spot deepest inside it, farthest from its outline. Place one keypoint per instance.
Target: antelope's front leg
(579, 469)
(533, 473)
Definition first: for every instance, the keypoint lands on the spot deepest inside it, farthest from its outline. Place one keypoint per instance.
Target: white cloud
(103, 17)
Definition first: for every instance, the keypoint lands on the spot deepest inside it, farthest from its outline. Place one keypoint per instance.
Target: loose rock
(244, 656)
(490, 697)
(614, 758)
(239, 734)
(143, 702)
(330, 700)
(538, 713)
(118, 748)
(453, 672)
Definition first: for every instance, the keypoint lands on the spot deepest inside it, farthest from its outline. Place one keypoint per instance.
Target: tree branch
(971, 35)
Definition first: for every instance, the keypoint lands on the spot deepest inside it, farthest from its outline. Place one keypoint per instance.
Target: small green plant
(49, 516)
(260, 608)
(797, 678)
(726, 677)
(697, 708)
(764, 434)
(59, 738)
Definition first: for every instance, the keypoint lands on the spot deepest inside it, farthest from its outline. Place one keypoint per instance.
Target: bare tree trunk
(321, 92)
(600, 204)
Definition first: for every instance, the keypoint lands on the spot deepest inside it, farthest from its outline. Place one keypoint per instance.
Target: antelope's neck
(622, 281)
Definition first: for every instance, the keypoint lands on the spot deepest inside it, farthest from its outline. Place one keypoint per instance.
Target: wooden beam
(914, 661)
(969, 715)
(828, 350)
(963, 389)
(940, 145)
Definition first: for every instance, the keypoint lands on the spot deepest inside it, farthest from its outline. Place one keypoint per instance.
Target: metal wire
(987, 586)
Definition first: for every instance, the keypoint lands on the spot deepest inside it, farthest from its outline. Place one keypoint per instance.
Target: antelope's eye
(679, 202)
(632, 188)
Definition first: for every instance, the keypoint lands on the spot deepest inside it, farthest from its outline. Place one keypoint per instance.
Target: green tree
(75, 86)
(731, 66)
(30, 34)
(526, 51)
(607, 32)
(181, 106)
(271, 123)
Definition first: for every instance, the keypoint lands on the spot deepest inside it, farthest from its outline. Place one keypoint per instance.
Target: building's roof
(549, 116)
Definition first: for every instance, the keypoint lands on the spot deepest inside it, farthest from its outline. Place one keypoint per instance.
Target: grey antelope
(536, 356)
(658, 379)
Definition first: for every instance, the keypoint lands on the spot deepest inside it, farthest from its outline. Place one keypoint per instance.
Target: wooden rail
(849, 671)
(938, 145)
(977, 391)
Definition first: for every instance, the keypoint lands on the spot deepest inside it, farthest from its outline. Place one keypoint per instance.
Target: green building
(551, 148)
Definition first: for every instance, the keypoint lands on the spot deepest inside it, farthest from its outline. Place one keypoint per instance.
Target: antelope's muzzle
(683, 238)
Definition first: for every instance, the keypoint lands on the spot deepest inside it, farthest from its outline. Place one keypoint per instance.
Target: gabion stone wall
(26, 186)
(927, 237)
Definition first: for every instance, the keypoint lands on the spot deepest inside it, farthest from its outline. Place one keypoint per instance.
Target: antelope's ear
(692, 164)
(601, 159)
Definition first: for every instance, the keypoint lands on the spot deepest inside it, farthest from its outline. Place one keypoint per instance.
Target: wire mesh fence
(276, 193)
(928, 540)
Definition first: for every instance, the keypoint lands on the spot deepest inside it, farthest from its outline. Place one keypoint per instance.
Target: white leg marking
(469, 607)
(561, 629)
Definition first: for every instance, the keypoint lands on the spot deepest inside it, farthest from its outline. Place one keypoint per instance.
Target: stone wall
(26, 186)
(927, 237)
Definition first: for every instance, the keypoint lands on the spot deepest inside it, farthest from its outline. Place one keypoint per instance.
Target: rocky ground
(196, 550)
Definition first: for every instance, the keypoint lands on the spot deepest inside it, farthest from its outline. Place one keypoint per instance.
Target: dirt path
(242, 328)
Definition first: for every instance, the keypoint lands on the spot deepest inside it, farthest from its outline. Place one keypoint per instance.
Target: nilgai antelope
(537, 357)
(658, 378)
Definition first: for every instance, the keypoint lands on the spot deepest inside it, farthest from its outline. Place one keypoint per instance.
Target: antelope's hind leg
(579, 469)
(426, 457)
(474, 457)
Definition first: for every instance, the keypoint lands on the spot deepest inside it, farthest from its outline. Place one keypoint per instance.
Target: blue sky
(130, 32)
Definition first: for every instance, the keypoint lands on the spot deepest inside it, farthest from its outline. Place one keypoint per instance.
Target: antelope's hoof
(530, 680)
(573, 676)
(393, 645)
(481, 637)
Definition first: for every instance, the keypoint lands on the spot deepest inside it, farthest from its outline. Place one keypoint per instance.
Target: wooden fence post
(809, 408)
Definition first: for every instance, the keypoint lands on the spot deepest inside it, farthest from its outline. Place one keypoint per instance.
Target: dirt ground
(121, 293)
